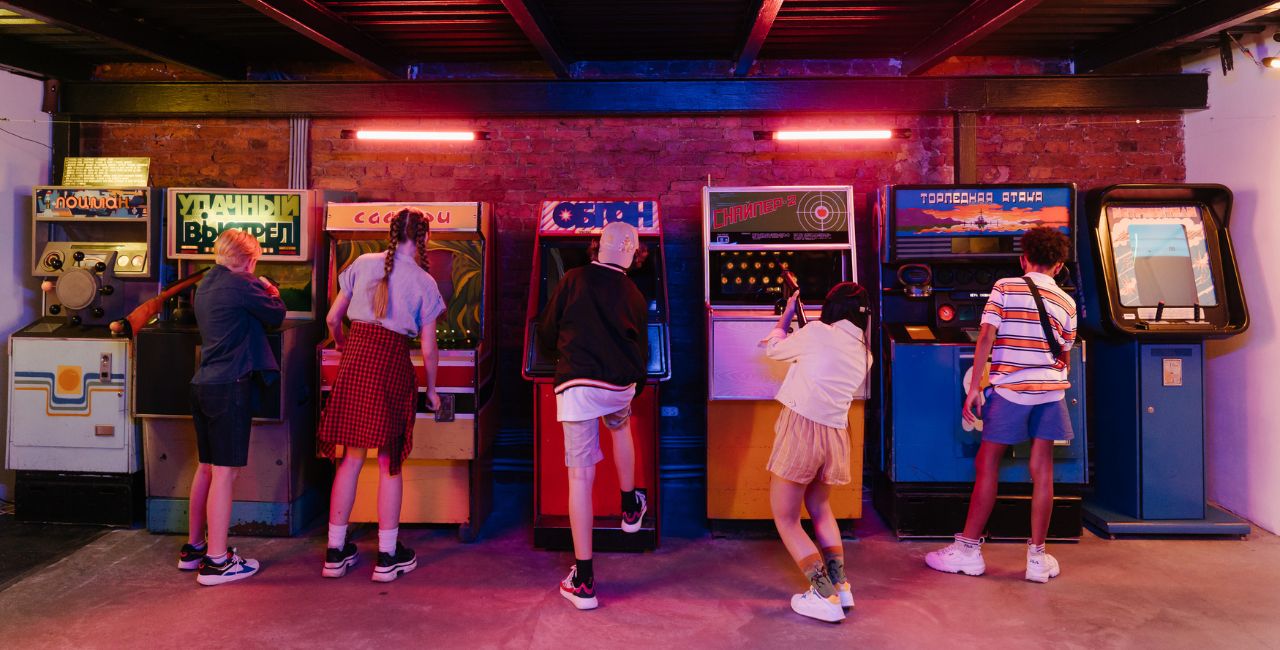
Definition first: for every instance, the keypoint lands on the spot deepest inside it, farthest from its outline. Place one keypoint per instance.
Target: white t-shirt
(582, 403)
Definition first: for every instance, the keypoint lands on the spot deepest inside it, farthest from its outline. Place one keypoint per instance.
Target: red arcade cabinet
(565, 232)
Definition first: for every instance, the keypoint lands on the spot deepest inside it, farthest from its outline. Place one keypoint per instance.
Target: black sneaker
(189, 557)
(631, 520)
(233, 568)
(391, 566)
(338, 560)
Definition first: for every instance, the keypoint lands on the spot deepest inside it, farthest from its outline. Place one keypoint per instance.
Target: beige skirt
(805, 451)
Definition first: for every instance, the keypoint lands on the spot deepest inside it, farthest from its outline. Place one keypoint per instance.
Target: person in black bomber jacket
(596, 325)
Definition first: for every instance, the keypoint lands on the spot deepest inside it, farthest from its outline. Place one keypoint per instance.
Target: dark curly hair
(1045, 246)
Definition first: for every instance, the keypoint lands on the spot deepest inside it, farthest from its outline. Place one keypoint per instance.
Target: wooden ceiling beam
(29, 60)
(1187, 24)
(553, 98)
(122, 31)
(537, 28)
(760, 27)
(313, 20)
(972, 24)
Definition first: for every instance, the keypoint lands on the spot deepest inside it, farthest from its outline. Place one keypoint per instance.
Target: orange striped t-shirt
(1023, 369)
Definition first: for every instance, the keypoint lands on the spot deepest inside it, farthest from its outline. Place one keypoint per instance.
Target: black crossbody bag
(1055, 347)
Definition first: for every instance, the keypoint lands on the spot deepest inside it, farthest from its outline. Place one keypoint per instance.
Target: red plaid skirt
(374, 396)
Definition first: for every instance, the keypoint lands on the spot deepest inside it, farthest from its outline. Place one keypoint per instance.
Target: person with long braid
(389, 299)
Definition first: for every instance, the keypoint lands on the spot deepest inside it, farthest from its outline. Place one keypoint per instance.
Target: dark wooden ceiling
(236, 39)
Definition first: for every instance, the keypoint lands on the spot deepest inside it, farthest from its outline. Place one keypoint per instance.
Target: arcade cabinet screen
(294, 281)
(457, 267)
(559, 257)
(1161, 256)
(975, 222)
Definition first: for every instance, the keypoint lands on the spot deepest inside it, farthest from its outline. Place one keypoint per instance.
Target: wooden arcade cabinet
(448, 475)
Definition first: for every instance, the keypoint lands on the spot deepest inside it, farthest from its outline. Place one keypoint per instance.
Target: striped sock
(969, 543)
(1035, 549)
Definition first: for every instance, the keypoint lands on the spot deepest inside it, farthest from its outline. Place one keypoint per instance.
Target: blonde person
(233, 311)
(829, 363)
(389, 298)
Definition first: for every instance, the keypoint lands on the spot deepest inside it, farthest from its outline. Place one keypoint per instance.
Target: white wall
(22, 164)
(1236, 142)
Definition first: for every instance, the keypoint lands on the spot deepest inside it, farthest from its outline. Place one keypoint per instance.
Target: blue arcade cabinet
(943, 246)
(1163, 278)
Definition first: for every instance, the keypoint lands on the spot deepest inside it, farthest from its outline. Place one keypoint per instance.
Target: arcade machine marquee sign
(274, 217)
(793, 215)
(590, 217)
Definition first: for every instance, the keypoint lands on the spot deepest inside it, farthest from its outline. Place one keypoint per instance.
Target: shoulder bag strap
(1055, 347)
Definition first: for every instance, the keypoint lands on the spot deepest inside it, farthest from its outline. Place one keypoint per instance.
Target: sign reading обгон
(778, 215)
(274, 217)
(590, 217)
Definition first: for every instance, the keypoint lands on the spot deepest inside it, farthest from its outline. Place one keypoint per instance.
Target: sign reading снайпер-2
(273, 217)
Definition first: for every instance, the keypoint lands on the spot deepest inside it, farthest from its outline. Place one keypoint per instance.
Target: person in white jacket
(829, 365)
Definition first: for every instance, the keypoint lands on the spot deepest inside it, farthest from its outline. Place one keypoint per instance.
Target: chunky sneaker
(959, 557)
(582, 596)
(1041, 567)
(189, 557)
(338, 560)
(233, 568)
(631, 520)
(391, 566)
(845, 593)
(814, 605)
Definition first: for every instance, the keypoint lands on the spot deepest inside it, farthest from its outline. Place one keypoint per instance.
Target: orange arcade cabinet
(566, 230)
(447, 478)
(752, 237)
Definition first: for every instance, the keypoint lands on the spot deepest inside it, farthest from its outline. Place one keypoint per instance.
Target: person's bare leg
(219, 508)
(342, 497)
(198, 504)
(581, 514)
(624, 456)
(986, 482)
(1042, 489)
(817, 500)
(390, 494)
(785, 498)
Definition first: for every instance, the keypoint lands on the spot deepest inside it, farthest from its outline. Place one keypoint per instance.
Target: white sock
(1035, 549)
(972, 544)
(337, 536)
(387, 540)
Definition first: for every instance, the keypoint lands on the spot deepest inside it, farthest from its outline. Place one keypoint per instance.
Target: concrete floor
(123, 590)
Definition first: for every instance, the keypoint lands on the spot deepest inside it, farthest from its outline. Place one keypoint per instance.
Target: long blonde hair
(408, 224)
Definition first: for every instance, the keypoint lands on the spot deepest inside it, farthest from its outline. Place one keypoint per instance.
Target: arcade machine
(566, 230)
(280, 490)
(752, 236)
(72, 436)
(448, 476)
(943, 248)
(1164, 275)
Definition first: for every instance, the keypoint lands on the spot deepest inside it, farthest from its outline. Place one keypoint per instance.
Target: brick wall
(669, 158)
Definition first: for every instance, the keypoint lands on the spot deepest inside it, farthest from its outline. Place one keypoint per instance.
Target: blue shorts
(1009, 423)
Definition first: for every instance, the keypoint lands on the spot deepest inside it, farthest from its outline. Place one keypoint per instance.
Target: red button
(946, 313)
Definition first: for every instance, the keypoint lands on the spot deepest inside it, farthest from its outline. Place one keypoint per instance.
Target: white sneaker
(957, 558)
(814, 605)
(1041, 567)
(845, 593)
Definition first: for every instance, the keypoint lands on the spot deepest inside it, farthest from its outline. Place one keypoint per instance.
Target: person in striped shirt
(1025, 399)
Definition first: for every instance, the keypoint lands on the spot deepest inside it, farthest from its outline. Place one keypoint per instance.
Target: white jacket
(829, 364)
